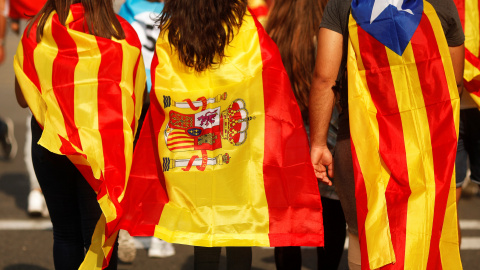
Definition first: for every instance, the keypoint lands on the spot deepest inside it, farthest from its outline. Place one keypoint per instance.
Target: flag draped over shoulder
(404, 111)
(469, 12)
(86, 93)
(25, 9)
(223, 157)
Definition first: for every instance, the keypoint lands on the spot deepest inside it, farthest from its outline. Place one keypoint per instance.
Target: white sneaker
(160, 249)
(36, 204)
(126, 247)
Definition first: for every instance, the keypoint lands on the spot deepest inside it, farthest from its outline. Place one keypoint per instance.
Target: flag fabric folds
(469, 12)
(24, 9)
(223, 157)
(404, 113)
(86, 93)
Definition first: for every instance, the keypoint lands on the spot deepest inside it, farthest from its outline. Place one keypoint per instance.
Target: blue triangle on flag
(392, 26)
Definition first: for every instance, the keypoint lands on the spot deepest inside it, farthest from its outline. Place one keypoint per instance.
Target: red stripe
(175, 143)
(177, 133)
(29, 43)
(287, 169)
(179, 137)
(181, 147)
(63, 81)
(110, 119)
(362, 207)
(470, 57)
(473, 87)
(441, 123)
(461, 11)
(392, 142)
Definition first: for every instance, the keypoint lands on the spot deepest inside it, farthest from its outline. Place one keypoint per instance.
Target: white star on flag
(380, 5)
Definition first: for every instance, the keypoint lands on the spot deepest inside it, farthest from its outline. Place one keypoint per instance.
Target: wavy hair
(201, 29)
(293, 25)
(100, 18)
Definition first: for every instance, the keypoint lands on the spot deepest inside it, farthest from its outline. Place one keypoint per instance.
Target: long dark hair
(200, 29)
(293, 25)
(99, 17)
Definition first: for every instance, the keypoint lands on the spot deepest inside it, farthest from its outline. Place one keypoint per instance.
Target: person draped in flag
(291, 24)
(469, 131)
(77, 70)
(397, 130)
(223, 156)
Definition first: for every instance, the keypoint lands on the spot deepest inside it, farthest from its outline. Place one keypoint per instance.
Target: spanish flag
(223, 156)
(404, 113)
(25, 9)
(259, 8)
(469, 12)
(86, 92)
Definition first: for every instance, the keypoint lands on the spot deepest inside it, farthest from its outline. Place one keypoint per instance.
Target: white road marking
(468, 243)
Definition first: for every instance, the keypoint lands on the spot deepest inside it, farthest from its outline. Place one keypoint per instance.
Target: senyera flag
(86, 92)
(469, 12)
(259, 8)
(404, 110)
(25, 9)
(223, 156)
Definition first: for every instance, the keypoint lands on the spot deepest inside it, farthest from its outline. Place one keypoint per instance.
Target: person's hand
(322, 161)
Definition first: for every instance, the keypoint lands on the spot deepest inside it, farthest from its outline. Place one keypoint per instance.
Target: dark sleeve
(452, 27)
(331, 18)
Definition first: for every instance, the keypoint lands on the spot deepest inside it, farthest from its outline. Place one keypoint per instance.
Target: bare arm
(458, 60)
(18, 93)
(322, 99)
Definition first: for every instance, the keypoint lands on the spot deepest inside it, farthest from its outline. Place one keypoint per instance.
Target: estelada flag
(223, 156)
(25, 9)
(404, 113)
(469, 12)
(86, 92)
(259, 8)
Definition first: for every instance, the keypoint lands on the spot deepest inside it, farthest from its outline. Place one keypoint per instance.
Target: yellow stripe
(471, 27)
(44, 57)
(366, 140)
(131, 110)
(99, 247)
(86, 99)
(224, 202)
(419, 157)
(449, 248)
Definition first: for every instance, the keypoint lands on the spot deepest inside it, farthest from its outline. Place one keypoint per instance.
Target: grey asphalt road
(31, 249)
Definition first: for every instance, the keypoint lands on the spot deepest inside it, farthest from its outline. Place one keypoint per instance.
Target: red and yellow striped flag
(404, 111)
(223, 157)
(86, 92)
(469, 12)
(260, 9)
(25, 9)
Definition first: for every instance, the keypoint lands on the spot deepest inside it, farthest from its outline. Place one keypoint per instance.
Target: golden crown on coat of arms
(235, 122)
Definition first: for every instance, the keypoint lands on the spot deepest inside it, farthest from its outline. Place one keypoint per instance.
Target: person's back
(77, 70)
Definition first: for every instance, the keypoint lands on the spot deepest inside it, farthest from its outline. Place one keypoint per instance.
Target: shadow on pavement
(24, 267)
(18, 186)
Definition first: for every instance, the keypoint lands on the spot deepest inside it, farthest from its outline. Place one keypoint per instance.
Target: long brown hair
(200, 29)
(293, 25)
(100, 19)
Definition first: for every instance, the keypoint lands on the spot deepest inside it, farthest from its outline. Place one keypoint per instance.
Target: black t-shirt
(335, 17)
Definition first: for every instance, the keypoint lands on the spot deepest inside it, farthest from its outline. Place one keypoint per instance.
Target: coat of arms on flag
(223, 157)
(204, 131)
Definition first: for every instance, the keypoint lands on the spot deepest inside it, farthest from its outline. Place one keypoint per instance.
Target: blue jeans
(71, 202)
(468, 146)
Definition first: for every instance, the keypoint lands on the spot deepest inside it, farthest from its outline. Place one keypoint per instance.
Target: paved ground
(26, 243)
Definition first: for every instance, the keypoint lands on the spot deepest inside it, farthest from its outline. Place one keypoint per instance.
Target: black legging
(208, 258)
(290, 258)
(71, 202)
